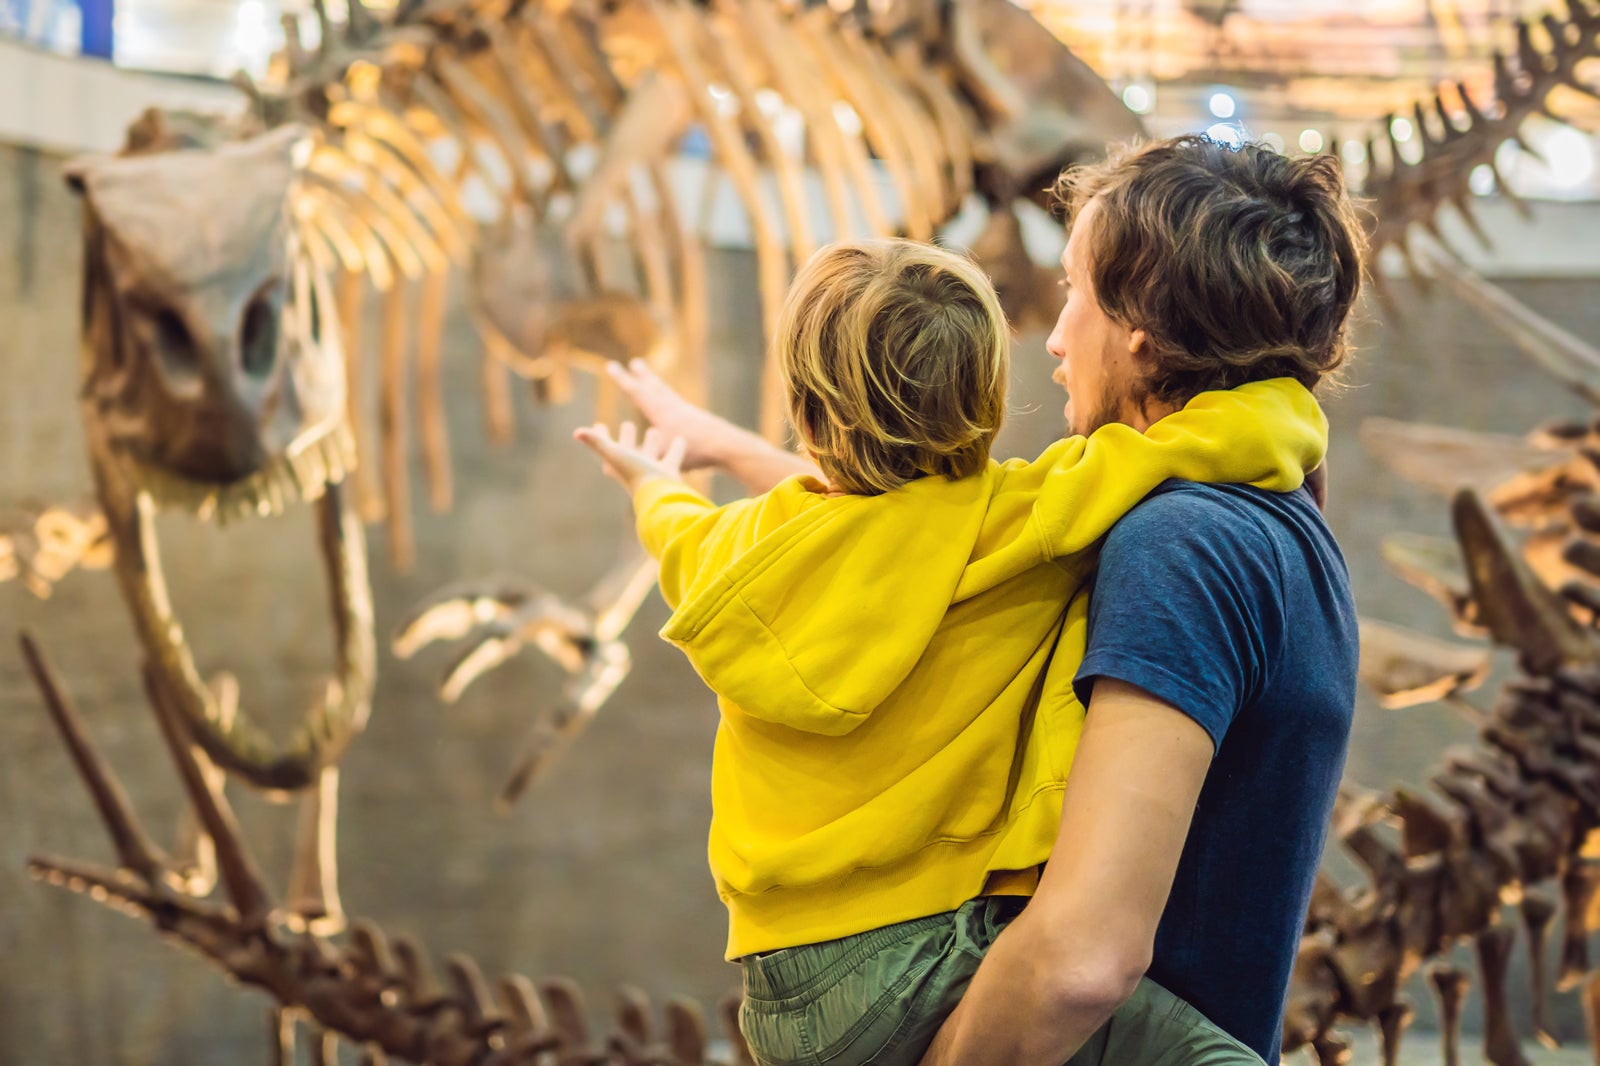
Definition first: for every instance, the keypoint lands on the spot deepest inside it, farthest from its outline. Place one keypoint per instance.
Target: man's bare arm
(1060, 970)
(710, 442)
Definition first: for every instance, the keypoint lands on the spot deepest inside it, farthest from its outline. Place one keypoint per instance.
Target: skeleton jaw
(311, 472)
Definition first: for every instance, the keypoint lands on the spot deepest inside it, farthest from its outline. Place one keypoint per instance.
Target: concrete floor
(1421, 1048)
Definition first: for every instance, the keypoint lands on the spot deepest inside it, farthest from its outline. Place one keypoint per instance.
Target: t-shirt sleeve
(1186, 604)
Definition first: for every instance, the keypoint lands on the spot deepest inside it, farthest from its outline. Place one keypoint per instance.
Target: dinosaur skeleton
(208, 385)
(224, 375)
(1518, 812)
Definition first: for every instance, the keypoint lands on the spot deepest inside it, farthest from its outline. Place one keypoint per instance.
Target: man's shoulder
(1189, 512)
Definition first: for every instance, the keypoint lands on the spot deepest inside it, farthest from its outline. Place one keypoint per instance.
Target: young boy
(892, 651)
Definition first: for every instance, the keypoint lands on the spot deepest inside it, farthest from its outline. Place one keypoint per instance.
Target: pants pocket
(842, 1003)
(1157, 1028)
(876, 999)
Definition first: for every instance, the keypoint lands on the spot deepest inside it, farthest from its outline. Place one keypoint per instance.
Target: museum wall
(599, 873)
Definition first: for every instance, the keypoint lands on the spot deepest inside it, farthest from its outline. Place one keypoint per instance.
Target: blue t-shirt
(1233, 604)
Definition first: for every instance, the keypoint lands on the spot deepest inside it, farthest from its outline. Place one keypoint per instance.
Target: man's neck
(1141, 415)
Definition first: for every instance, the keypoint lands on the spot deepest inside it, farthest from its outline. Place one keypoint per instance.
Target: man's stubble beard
(1119, 401)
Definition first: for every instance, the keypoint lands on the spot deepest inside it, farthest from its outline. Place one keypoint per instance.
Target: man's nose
(1053, 344)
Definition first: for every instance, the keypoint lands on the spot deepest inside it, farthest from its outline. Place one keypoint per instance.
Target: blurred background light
(1138, 98)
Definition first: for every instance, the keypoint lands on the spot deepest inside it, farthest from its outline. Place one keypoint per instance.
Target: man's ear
(1136, 342)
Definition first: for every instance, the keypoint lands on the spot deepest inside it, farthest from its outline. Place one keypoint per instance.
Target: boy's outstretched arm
(1060, 970)
(631, 459)
(710, 441)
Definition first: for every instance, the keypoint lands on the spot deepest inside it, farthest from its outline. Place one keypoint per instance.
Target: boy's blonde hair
(896, 358)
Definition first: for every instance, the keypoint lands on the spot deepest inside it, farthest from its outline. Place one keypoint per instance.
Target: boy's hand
(630, 460)
(703, 434)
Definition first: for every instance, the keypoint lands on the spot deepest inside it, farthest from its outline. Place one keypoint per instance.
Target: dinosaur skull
(212, 381)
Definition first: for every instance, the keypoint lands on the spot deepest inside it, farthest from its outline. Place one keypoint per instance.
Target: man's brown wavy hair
(1239, 264)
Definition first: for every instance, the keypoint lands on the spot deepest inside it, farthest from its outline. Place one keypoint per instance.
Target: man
(1221, 660)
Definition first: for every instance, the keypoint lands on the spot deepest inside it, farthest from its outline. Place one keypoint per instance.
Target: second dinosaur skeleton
(1512, 821)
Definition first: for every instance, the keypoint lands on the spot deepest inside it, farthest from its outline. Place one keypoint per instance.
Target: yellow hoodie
(889, 735)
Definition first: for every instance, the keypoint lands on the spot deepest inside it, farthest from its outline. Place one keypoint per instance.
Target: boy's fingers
(628, 435)
(599, 442)
(652, 441)
(675, 453)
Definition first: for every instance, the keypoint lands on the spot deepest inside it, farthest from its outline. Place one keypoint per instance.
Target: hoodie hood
(819, 622)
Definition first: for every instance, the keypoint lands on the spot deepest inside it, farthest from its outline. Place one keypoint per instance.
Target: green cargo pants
(879, 997)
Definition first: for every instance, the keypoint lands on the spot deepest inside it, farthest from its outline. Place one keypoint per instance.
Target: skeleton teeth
(300, 477)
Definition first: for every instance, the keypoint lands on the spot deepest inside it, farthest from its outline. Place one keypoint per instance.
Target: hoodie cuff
(662, 506)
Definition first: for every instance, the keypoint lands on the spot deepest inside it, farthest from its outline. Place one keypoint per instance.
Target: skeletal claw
(451, 614)
(489, 649)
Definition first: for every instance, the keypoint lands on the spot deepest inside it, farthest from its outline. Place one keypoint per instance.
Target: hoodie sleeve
(1266, 433)
(689, 535)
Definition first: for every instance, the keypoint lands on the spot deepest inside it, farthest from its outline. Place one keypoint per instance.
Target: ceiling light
(1226, 133)
(1138, 99)
(1570, 155)
(1223, 105)
(1310, 141)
